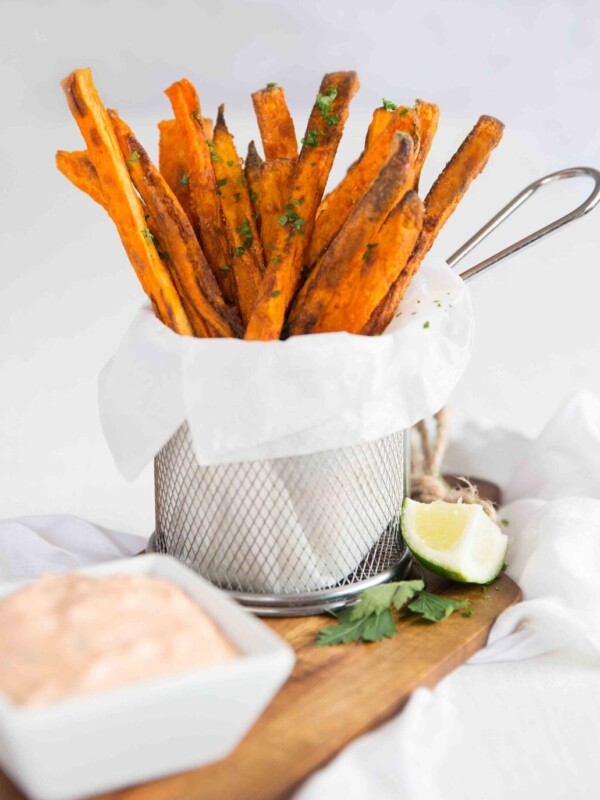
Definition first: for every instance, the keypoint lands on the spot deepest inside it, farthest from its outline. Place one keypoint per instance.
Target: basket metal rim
(304, 603)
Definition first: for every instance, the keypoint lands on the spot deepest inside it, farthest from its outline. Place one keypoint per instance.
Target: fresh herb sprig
(371, 620)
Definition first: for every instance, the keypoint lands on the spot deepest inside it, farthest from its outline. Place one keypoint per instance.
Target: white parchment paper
(248, 401)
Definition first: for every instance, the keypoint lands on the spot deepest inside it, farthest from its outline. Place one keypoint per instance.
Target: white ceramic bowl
(97, 742)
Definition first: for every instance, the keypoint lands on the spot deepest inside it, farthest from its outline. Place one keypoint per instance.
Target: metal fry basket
(301, 535)
(289, 535)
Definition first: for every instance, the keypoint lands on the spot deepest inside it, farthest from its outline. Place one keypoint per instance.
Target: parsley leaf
(404, 112)
(253, 196)
(378, 598)
(185, 179)
(426, 324)
(276, 293)
(311, 139)
(434, 608)
(388, 105)
(213, 153)
(245, 232)
(135, 156)
(272, 85)
(221, 181)
(324, 102)
(147, 235)
(370, 246)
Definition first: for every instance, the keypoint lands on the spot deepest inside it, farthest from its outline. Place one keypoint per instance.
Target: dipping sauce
(72, 634)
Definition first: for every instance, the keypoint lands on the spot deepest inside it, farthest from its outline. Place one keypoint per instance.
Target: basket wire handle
(515, 203)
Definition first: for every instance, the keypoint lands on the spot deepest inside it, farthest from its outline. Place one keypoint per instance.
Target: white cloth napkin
(527, 724)
(523, 718)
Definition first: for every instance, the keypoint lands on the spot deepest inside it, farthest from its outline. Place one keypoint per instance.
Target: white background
(68, 292)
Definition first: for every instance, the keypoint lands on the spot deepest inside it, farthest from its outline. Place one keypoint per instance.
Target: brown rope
(427, 484)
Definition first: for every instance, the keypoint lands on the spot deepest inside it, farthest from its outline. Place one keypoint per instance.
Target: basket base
(310, 603)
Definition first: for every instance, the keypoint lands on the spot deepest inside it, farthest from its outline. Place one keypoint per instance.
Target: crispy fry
(382, 264)
(253, 170)
(276, 183)
(275, 123)
(428, 115)
(176, 240)
(323, 133)
(379, 121)
(246, 258)
(202, 182)
(207, 127)
(336, 279)
(172, 165)
(336, 207)
(445, 194)
(78, 168)
(126, 207)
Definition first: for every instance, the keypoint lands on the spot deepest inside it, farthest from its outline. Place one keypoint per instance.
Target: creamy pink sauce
(73, 634)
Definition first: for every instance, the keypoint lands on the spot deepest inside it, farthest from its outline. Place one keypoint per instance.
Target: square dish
(94, 743)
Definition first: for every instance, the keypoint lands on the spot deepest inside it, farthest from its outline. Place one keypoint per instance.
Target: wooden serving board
(334, 695)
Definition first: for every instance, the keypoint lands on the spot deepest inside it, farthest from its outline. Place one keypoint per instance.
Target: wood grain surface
(334, 695)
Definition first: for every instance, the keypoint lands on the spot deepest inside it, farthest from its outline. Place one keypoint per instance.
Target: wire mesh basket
(286, 536)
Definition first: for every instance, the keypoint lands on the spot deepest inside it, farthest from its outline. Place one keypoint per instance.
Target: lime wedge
(456, 540)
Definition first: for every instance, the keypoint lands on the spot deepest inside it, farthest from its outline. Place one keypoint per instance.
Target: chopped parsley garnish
(239, 251)
(426, 324)
(237, 197)
(245, 232)
(230, 163)
(213, 153)
(275, 259)
(164, 255)
(324, 102)
(221, 181)
(404, 112)
(225, 268)
(135, 156)
(370, 246)
(240, 180)
(185, 179)
(467, 613)
(312, 139)
(276, 293)
(196, 114)
(147, 235)
(272, 85)
(388, 105)
(291, 216)
(504, 522)
(253, 196)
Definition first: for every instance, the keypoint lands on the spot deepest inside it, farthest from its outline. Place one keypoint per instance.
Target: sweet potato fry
(78, 168)
(172, 165)
(253, 170)
(336, 278)
(176, 240)
(382, 264)
(246, 258)
(379, 121)
(445, 194)
(323, 133)
(428, 115)
(276, 183)
(202, 182)
(275, 123)
(336, 207)
(207, 127)
(126, 207)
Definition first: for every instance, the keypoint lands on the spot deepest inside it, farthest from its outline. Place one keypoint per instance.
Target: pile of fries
(251, 249)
